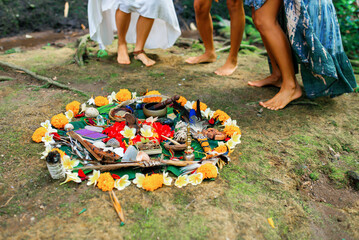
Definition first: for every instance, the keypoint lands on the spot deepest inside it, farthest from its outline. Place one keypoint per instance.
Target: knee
(235, 5)
(201, 7)
(262, 24)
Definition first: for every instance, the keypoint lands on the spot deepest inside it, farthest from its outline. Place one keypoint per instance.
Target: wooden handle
(165, 103)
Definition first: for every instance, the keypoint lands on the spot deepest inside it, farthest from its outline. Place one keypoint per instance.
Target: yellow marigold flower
(182, 101)
(221, 149)
(123, 95)
(231, 129)
(151, 183)
(74, 107)
(59, 121)
(62, 153)
(38, 134)
(105, 182)
(221, 116)
(208, 170)
(202, 106)
(101, 101)
(152, 99)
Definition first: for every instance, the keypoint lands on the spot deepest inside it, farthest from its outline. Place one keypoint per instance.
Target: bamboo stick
(143, 164)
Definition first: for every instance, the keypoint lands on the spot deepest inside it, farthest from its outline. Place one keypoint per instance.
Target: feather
(181, 110)
(198, 110)
(190, 168)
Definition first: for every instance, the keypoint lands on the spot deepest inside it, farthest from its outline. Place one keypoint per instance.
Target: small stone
(113, 143)
(91, 112)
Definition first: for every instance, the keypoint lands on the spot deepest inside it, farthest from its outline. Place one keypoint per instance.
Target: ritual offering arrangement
(153, 140)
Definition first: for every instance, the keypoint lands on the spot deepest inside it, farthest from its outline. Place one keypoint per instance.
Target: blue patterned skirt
(314, 34)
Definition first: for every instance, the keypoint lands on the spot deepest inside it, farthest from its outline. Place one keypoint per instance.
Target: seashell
(142, 156)
(69, 127)
(113, 143)
(91, 112)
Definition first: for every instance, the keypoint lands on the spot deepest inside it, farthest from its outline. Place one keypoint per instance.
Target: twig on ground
(42, 78)
(190, 203)
(7, 202)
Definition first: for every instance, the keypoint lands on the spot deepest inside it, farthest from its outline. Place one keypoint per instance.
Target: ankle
(210, 53)
(232, 60)
(290, 84)
(277, 76)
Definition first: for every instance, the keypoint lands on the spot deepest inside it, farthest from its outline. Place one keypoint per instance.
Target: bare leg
(236, 12)
(143, 29)
(275, 79)
(122, 22)
(277, 43)
(205, 28)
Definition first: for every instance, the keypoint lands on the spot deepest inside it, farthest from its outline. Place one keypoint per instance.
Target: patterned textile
(255, 3)
(314, 35)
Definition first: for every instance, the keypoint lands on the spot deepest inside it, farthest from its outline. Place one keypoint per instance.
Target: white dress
(102, 23)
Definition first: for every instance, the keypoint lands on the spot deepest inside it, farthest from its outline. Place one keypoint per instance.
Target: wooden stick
(110, 167)
(115, 166)
(7, 202)
(118, 207)
(178, 163)
(42, 78)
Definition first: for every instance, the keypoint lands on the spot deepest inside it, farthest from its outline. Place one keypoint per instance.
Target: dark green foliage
(18, 16)
(348, 17)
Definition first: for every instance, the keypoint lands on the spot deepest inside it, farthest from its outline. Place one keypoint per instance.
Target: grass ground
(283, 169)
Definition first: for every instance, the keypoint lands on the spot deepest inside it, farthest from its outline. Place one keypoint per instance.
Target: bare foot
(273, 80)
(122, 55)
(204, 58)
(144, 59)
(283, 97)
(227, 69)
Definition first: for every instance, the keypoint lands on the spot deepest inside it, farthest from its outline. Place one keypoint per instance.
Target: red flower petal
(56, 136)
(115, 176)
(80, 115)
(81, 173)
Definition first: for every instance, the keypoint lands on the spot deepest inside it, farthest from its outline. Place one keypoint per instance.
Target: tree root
(81, 50)
(5, 78)
(48, 81)
(243, 46)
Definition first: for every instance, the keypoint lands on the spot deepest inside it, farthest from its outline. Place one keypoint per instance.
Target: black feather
(198, 111)
(178, 109)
